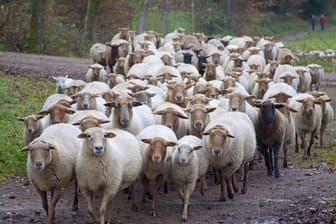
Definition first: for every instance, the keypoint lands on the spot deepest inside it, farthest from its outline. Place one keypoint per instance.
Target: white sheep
(96, 72)
(51, 164)
(189, 164)
(62, 83)
(108, 160)
(230, 142)
(97, 53)
(317, 74)
(156, 142)
(304, 77)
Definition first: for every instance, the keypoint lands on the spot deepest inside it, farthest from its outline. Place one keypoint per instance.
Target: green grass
(20, 97)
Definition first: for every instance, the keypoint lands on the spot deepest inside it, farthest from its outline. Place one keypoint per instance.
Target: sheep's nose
(85, 106)
(183, 160)
(198, 125)
(157, 158)
(98, 149)
(38, 165)
(234, 109)
(30, 131)
(124, 123)
(55, 122)
(169, 126)
(217, 152)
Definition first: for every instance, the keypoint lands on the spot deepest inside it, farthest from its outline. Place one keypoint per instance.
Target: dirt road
(299, 196)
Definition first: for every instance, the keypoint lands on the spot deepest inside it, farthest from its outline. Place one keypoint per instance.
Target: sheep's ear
(180, 115)
(317, 102)
(278, 106)
(70, 111)
(45, 112)
(54, 78)
(51, 146)
(136, 103)
(198, 147)
(82, 135)
(171, 143)
(161, 112)
(20, 119)
(109, 135)
(146, 140)
(76, 123)
(151, 94)
(210, 109)
(300, 101)
(103, 121)
(25, 149)
(131, 94)
(109, 104)
(292, 110)
(230, 136)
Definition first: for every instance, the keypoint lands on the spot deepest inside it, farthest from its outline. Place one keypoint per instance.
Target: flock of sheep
(171, 110)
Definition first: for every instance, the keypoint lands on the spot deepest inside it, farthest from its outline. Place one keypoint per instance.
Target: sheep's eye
(118, 106)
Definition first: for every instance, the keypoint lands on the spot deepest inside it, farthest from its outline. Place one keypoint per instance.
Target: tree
(91, 18)
(165, 8)
(37, 20)
(141, 27)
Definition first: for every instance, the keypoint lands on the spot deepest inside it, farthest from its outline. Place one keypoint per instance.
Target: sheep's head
(267, 110)
(237, 101)
(263, 86)
(95, 72)
(218, 137)
(308, 105)
(89, 122)
(210, 72)
(40, 153)
(198, 114)
(186, 153)
(96, 140)
(144, 97)
(281, 97)
(157, 148)
(198, 99)
(57, 113)
(32, 123)
(86, 100)
(123, 110)
(170, 117)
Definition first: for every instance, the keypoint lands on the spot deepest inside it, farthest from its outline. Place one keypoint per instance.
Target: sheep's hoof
(222, 198)
(184, 219)
(74, 208)
(243, 191)
(230, 196)
(153, 213)
(135, 207)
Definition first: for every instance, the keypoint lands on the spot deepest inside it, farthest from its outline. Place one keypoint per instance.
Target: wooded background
(69, 28)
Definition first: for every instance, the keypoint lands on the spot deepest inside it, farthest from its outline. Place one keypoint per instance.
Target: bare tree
(91, 18)
(141, 27)
(165, 8)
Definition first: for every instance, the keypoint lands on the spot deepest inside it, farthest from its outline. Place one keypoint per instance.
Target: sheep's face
(95, 73)
(124, 111)
(179, 93)
(218, 138)
(210, 72)
(281, 97)
(166, 59)
(199, 115)
(157, 149)
(71, 90)
(32, 123)
(170, 118)
(143, 97)
(267, 110)
(40, 154)
(288, 79)
(96, 140)
(308, 106)
(185, 153)
(199, 99)
(187, 57)
(58, 113)
(86, 101)
(236, 102)
(212, 92)
(229, 82)
(263, 86)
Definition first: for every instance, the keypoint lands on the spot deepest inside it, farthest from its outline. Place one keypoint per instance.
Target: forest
(69, 28)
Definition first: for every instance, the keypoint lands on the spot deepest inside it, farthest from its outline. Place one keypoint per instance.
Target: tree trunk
(165, 8)
(91, 18)
(34, 36)
(145, 5)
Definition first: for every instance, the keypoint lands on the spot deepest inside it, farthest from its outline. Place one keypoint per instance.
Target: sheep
(118, 67)
(133, 58)
(317, 73)
(280, 91)
(187, 56)
(189, 163)
(76, 85)
(199, 118)
(285, 56)
(327, 112)
(230, 143)
(273, 132)
(96, 72)
(97, 53)
(213, 72)
(62, 83)
(130, 115)
(156, 143)
(256, 62)
(286, 73)
(51, 164)
(53, 99)
(113, 79)
(57, 113)
(177, 93)
(307, 120)
(197, 99)
(88, 118)
(173, 116)
(114, 50)
(34, 125)
(304, 77)
(108, 160)
(89, 101)
(260, 88)
(271, 67)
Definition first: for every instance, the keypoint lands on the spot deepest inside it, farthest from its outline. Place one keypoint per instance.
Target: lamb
(189, 163)
(130, 115)
(51, 164)
(108, 160)
(307, 120)
(34, 125)
(62, 83)
(156, 143)
(96, 72)
(230, 143)
(273, 133)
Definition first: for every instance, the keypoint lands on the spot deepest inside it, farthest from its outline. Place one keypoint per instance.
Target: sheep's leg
(204, 186)
(188, 191)
(311, 142)
(246, 168)
(158, 184)
(267, 161)
(296, 143)
(322, 129)
(271, 158)
(304, 144)
(234, 183)
(75, 200)
(89, 197)
(56, 195)
(105, 207)
(146, 193)
(43, 195)
(221, 181)
(180, 193)
(276, 159)
(285, 148)
(228, 186)
(134, 202)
